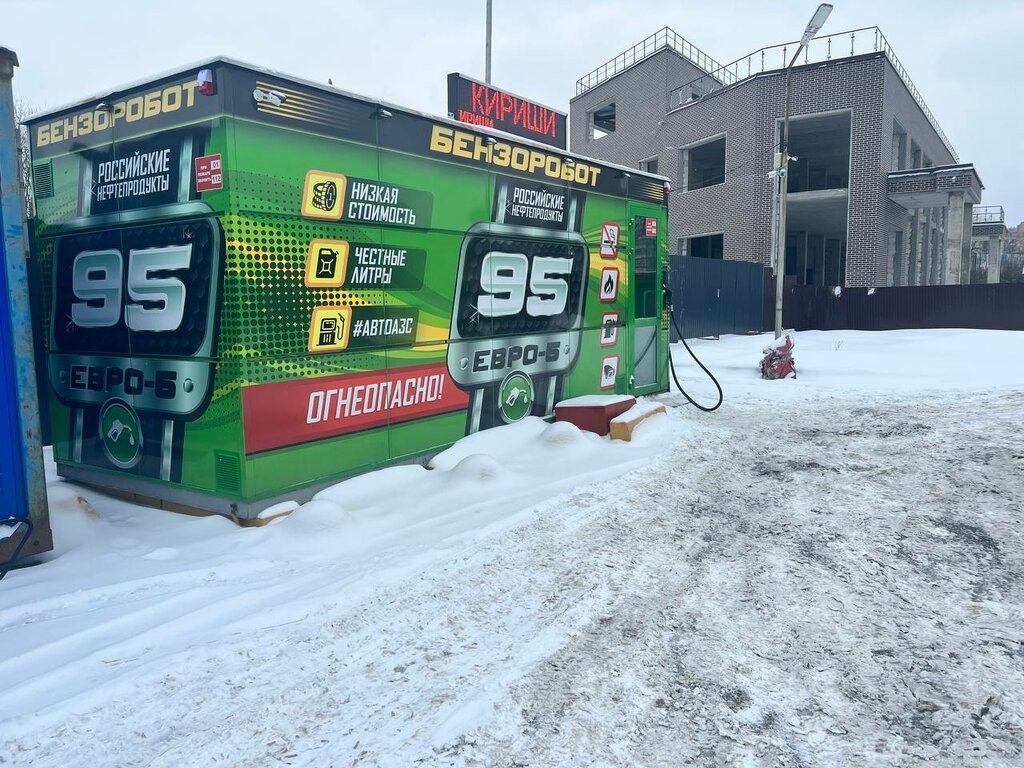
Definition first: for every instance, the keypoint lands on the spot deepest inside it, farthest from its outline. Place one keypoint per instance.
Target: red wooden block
(593, 413)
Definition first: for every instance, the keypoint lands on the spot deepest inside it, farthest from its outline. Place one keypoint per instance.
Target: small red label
(609, 285)
(609, 370)
(609, 239)
(302, 410)
(651, 227)
(609, 329)
(209, 173)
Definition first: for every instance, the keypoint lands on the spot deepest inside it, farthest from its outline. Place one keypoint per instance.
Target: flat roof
(205, 63)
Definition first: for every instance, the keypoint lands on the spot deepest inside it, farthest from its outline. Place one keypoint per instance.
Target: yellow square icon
(326, 263)
(324, 195)
(329, 330)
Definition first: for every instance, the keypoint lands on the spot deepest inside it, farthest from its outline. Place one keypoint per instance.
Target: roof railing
(838, 45)
(988, 214)
(663, 38)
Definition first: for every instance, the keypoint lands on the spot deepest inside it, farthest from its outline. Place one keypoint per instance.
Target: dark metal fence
(997, 306)
(712, 297)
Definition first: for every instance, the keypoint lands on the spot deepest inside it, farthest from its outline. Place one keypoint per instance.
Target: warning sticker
(609, 240)
(609, 284)
(609, 370)
(609, 329)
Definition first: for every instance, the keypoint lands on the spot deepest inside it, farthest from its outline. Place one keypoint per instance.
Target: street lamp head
(817, 22)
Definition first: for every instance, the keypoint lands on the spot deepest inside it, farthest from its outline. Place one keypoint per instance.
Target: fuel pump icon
(119, 428)
(329, 329)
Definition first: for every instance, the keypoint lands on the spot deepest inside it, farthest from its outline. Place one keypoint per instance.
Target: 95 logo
(505, 277)
(157, 303)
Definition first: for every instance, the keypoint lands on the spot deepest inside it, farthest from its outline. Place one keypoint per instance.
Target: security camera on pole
(781, 170)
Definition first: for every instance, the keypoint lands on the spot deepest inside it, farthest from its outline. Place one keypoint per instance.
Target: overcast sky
(964, 57)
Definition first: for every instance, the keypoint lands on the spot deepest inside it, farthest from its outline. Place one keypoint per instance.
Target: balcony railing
(839, 45)
(663, 38)
(988, 214)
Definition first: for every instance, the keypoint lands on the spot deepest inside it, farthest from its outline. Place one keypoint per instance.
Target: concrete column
(995, 252)
(940, 248)
(911, 249)
(921, 248)
(954, 250)
(936, 258)
(802, 276)
(965, 246)
(930, 262)
(905, 255)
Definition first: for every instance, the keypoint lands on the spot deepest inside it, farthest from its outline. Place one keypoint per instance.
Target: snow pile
(641, 409)
(142, 586)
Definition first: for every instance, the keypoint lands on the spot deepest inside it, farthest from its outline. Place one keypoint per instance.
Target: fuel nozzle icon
(515, 396)
(119, 428)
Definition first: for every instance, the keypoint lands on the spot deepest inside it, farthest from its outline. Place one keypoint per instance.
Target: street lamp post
(487, 46)
(782, 168)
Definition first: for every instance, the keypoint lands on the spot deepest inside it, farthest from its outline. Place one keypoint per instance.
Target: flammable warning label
(285, 413)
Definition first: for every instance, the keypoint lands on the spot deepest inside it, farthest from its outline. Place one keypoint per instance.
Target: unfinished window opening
(650, 165)
(899, 148)
(821, 146)
(704, 164)
(817, 198)
(706, 246)
(602, 121)
(915, 155)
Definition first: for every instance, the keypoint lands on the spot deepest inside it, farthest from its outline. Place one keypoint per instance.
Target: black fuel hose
(703, 367)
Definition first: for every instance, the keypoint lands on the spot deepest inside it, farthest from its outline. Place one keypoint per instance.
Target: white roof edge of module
(332, 89)
(589, 401)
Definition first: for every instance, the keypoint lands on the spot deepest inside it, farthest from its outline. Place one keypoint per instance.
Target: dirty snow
(826, 571)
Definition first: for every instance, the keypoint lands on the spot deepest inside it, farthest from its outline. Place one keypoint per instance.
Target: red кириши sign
(471, 101)
(285, 413)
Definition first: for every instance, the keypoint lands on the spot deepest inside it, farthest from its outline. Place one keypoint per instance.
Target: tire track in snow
(811, 613)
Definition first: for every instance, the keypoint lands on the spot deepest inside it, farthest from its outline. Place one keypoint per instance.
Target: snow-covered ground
(826, 571)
